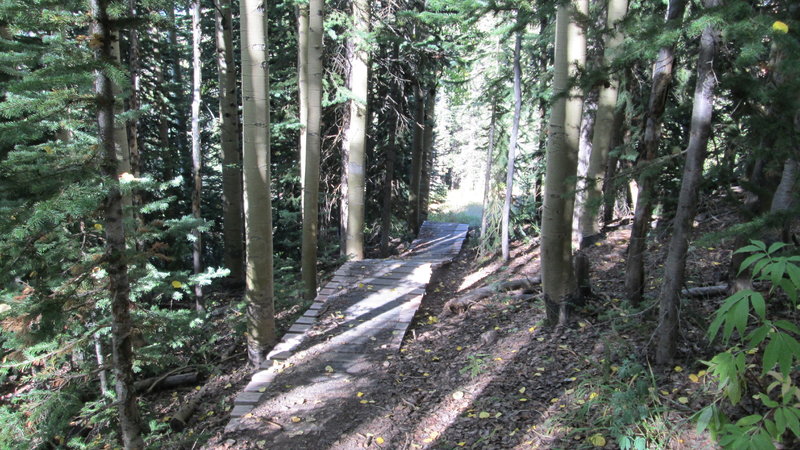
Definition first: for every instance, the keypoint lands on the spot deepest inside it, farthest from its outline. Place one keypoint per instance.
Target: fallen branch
(181, 417)
(706, 291)
(461, 304)
(166, 381)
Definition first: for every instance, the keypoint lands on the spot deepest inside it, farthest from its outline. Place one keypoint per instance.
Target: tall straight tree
(233, 241)
(115, 251)
(603, 126)
(427, 155)
(417, 132)
(356, 164)
(674, 268)
(662, 78)
(313, 144)
(487, 178)
(259, 287)
(558, 278)
(512, 146)
(197, 190)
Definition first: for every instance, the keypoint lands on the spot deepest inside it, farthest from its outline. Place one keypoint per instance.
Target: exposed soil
(494, 377)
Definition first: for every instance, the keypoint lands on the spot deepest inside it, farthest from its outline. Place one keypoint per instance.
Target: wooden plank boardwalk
(376, 300)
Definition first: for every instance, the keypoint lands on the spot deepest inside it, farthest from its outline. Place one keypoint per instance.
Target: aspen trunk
(702, 110)
(117, 264)
(487, 177)
(312, 149)
(512, 146)
(558, 278)
(259, 289)
(662, 77)
(197, 162)
(604, 125)
(356, 164)
(232, 229)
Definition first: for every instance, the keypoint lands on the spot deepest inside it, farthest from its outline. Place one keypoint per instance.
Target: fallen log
(181, 417)
(706, 291)
(461, 304)
(166, 382)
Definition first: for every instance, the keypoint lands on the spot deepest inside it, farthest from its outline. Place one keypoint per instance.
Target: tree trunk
(487, 178)
(117, 264)
(197, 80)
(259, 289)
(558, 277)
(662, 77)
(233, 241)
(584, 154)
(427, 159)
(386, 211)
(312, 149)
(133, 99)
(356, 165)
(603, 126)
(418, 124)
(609, 184)
(512, 146)
(702, 109)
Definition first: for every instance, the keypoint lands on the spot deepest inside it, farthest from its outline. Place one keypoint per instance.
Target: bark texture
(512, 148)
(604, 125)
(197, 161)
(117, 264)
(232, 230)
(487, 177)
(418, 124)
(312, 149)
(702, 109)
(557, 275)
(662, 78)
(356, 165)
(259, 288)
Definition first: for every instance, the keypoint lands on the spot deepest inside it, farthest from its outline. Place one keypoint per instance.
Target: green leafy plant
(758, 337)
(476, 365)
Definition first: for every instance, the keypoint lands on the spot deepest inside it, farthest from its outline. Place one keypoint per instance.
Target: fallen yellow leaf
(597, 440)
(522, 390)
(683, 400)
(694, 378)
(458, 395)
(360, 394)
(379, 440)
(678, 369)
(296, 419)
(329, 369)
(483, 415)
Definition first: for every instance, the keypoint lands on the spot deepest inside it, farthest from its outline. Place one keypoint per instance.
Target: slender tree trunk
(312, 150)
(604, 125)
(584, 154)
(232, 229)
(133, 99)
(558, 277)
(416, 157)
(386, 211)
(259, 289)
(785, 194)
(197, 71)
(349, 49)
(609, 184)
(512, 146)
(487, 178)
(115, 253)
(356, 165)
(178, 99)
(101, 362)
(702, 110)
(427, 159)
(302, 84)
(662, 77)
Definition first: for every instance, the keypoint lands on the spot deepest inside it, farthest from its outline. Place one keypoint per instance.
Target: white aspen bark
(512, 147)
(197, 188)
(312, 149)
(604, 124)
(356, 165)
(259, 287)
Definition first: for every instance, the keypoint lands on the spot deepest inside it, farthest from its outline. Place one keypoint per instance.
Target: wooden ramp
(368, 307)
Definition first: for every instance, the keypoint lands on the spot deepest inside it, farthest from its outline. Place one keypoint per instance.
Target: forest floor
(493, 377)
